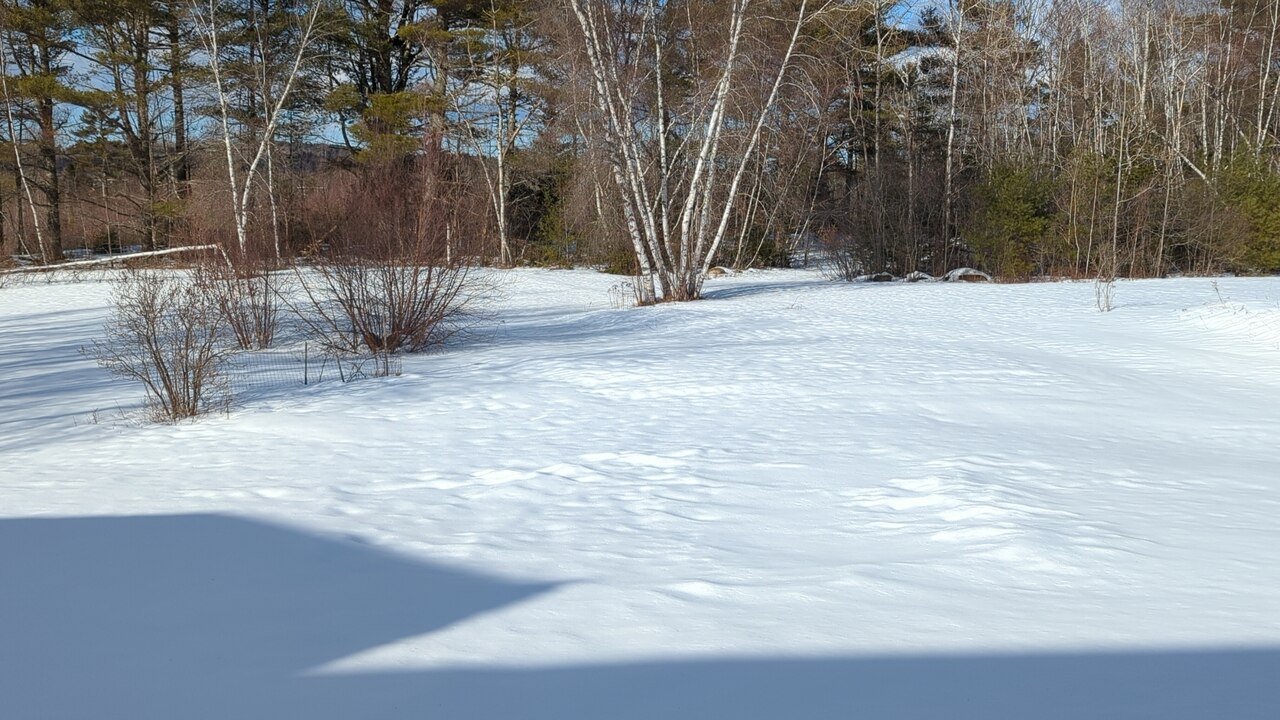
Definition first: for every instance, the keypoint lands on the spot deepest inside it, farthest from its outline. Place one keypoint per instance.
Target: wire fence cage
(260, 371)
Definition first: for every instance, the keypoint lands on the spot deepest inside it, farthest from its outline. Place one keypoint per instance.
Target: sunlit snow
(795, 499)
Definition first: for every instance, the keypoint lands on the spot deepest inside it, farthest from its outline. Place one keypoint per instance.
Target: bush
(1012, 221)
(392, 277)
(1253, 189)
(554, 245)
(246, 296)
(399, 303)
(842, 259)
(166, 333)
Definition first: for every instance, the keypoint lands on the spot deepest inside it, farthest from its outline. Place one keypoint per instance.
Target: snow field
(791, 469)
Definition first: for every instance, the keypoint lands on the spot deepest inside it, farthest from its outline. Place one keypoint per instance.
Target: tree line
(1084, 138)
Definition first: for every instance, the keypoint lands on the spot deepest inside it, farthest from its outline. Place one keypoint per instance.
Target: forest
(655, 138)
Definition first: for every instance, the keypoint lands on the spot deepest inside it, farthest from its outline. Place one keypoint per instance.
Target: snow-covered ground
(797, 499)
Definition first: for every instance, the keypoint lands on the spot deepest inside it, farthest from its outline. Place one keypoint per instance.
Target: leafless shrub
(382, 305)
(248, 297)
(1104, 287)
(166, 333)
(623, 295)
(840, 258)
(392, 278)
(1104, 292)
(7, 275)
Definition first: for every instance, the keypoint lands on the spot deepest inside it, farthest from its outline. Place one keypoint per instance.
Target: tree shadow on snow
(44, 377)
(792, 286)
(558, 328)
(213, 617)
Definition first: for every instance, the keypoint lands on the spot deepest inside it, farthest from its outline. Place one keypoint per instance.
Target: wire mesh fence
(260, 371)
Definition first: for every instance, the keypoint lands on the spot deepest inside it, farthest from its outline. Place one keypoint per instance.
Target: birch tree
(11, 126)
(958, 17)
(498, 107)
(243, 165)
(38, 37)
(671, 161)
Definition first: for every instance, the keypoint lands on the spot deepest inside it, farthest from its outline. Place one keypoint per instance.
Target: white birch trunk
(17, 158)
(242, 191)
(675, 216)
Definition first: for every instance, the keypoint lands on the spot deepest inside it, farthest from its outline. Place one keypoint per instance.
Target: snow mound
(1250, 324)
(967, 275)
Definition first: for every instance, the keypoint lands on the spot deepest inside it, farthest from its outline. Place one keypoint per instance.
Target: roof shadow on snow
(194, 616)
(209, 617)
(1183, 685)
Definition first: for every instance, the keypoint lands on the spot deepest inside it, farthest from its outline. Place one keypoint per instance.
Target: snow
(797, 498)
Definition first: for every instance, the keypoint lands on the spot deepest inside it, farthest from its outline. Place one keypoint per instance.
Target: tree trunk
(49, 158)
(948, 189)
(177, 87)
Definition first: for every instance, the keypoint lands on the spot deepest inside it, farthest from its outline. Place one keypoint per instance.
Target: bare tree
(496, 108)
(205, 16)
(14, 143)
(677, 214)
(958, 12)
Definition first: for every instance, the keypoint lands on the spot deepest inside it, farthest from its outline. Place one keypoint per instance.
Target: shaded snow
(793, 498)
